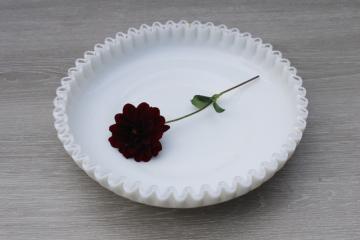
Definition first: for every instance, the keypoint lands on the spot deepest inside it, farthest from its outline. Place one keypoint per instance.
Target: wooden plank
(43, 195)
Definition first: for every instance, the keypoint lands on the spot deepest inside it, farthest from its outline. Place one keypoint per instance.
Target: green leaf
(200, 101)
(217, 108)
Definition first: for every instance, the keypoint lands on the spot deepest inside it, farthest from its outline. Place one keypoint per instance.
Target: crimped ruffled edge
(187, 197)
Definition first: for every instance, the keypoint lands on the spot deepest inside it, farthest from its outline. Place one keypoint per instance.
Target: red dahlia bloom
(137, 132)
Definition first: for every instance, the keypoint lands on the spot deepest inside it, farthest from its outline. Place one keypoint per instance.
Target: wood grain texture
(44, 195)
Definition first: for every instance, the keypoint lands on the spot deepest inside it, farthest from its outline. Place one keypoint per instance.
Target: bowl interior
(204, 149)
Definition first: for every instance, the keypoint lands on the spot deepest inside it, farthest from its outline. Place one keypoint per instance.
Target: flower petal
(114, 142)
(156, 148)
(165, 128)
(161, 120)
(144, 155)
(128, 152)
(118, 117)
(143, 107)
(114, 128)
(155, 111)
(130, 112)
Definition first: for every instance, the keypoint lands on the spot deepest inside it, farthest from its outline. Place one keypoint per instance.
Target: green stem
(217, 96)
(188, 115)
(239, 85)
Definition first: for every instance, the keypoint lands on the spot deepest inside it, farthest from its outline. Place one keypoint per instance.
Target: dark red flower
(137, 132)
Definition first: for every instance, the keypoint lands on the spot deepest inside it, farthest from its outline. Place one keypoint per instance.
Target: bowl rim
(171, 197)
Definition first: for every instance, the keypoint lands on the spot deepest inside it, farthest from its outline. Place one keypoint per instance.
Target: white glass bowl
(206, 159)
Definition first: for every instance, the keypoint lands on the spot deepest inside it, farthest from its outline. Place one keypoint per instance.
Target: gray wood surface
(44, 195)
